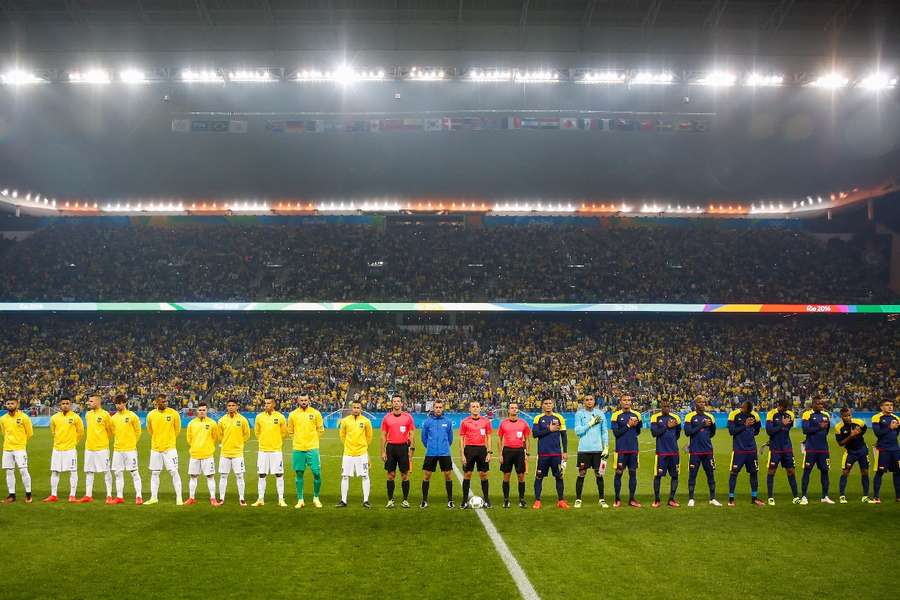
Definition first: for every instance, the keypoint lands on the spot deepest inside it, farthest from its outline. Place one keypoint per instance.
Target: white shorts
(202, 466)
(229, 465)
(270, 463)
(167, 460)
(96, 461)
(64, 460)
(125, 461)
(355, 466)
(15, 458)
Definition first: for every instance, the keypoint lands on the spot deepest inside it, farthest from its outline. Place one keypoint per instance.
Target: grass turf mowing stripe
(512, 565)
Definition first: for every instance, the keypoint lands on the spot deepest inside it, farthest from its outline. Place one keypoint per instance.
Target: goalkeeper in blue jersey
(593, 447)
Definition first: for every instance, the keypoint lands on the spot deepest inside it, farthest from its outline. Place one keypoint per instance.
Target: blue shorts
(626, 461)
(888, 460)
(784, 458)
(667, 465)
(548, 464)
(852, 458)
(707, 460)
(817, 459)
(747, 461)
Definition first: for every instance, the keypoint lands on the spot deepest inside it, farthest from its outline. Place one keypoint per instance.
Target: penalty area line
(518, 575)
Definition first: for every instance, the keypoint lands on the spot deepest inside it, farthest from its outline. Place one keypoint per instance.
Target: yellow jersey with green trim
(356, 435)
(233, 433)
(66, 429)
(17, 430)
(306, 426)
(163, 427)
(270, 430)
(126, 431)
(99, 430)
(202, 435)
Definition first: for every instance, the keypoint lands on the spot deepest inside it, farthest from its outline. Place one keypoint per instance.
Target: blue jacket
(437, 435)
(666, 437)
(816, 436)
(701, 434)
(591, 439)
(743, 438)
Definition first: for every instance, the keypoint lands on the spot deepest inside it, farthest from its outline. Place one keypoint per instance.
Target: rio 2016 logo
(818, 308)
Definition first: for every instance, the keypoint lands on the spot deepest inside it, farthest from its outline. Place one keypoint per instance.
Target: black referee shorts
(589, 461)
(445, 463)
(397, 458)
(513, 457)
(476, 458)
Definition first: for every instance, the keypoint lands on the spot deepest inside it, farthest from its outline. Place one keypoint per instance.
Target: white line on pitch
(512, 565)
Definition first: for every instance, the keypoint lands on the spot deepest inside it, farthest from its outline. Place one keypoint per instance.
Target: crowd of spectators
(249, 358)
(331, 262)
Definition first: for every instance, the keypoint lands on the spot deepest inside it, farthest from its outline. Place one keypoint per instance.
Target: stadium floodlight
(489, 75)
(830, 81)
(204, 76)
(760, 80)
(877, 81)
(344, 74)
(427, 74)
(383, 206)
(608, 77)
(250, 76)
(650, 78)
(20, 77)
(718, 79)
(93, 76)
(132, 76)
(539, 76)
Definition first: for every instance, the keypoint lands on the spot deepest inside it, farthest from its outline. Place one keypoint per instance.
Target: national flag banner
(663, 126)
(181, 125)
(392, 125)
(513, 123)
(647, 125)
(294, 127)
(624, 124)
(685, 126)
(275, 126)
(433, 124)
(356, 126)
(463, 123)
(314, 126)
(568, 123)
(237, 126)
(374, 125)
(412, 124)
(701, 126)
(540, 123)
(586, 124)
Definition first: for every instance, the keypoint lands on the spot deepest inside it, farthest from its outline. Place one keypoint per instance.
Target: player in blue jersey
(626, 427)
(781, 451)
(850, 434)
(549, 429)
(666, 428)
(816, 424)
(700, 427)
(744, 425)
(886, 425)
(593, 447)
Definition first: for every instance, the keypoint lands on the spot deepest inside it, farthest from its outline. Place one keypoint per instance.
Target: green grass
(98, 551)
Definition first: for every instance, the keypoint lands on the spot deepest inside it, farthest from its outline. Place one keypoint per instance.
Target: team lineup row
(515, 439)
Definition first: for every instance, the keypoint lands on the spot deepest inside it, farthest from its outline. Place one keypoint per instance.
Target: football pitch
(164, 551)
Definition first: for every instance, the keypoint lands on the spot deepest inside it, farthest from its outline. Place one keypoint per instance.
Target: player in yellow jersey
(202, 435)
(96, 449)
(234, 432)
(16, 428)
(163, 425)
(67, 430)
(271, 429)
(306, 426)
(356, 434)
(127, 431)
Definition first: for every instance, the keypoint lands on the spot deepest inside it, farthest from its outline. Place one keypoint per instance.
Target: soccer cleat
(715, 502)
(300, 503)
(464, 506)
(215, 502)
(536, 505)
(506, 503)
(843, 499)
(151, 502)
(50, 498)
(118, 501)
(875, 501)
(795, 501)
(757, 502)
(86, 500)
(617, 504)
(190, 502)
(139, 501)
(563, 505)
(578, 503)
(110, 500)
(771, 501)
(242, 502)
(423, 504)
(827, 500)
(259, 502)
(316, 502)
(804, 501)
(673, 504)
(634, 504)
(487, 504)
(10, 499)
(522, 504)
(390, 504)
(691, 503)
(655, 504)
(28, 498)
(179, 502)
(603, 503)
(865, 500)
(341, 504)
(404, 504)
(73, 499)
(366, 504)
(282, 503)
(450, 504)
(731, 503)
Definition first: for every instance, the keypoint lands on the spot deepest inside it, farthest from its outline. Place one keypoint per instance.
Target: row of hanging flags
(691, 124)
